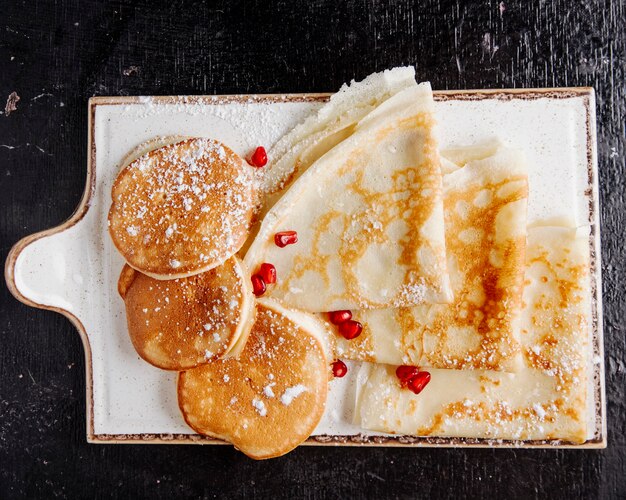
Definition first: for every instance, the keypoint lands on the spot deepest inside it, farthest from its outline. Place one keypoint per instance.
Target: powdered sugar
(267, 390)
(291, 393)
(539, 410)
(260, 407)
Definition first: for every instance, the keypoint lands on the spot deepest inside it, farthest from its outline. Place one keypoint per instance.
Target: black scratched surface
(55, 55)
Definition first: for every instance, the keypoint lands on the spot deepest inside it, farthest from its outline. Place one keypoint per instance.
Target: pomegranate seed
(268, 273)
(406, 373)
(258, 285)
(339, 369)
(417, 383)
(259, 157)
(350, 329)
(337, 317)
(285, 238)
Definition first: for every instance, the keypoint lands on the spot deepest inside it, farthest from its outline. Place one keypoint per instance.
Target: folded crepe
(458, 156)
(368, 215)
(334, 122)
(485, 224)
(546, 399)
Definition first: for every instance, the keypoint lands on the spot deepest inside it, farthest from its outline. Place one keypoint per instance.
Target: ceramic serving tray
(73, 268)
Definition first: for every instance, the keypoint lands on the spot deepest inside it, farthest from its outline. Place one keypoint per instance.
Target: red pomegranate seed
(406, 373)
(337, 317)
(350, 329)
(285, 238)
(268, 273)
(417, 383)
(339, 369)
(258, 285)
(259, 157)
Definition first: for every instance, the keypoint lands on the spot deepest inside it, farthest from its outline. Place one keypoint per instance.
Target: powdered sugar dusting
(268, 391)
(190, 202)
(260, 407)
(412, 293)
(292, 393)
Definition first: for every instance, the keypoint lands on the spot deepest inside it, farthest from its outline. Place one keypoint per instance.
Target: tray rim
(588, 95)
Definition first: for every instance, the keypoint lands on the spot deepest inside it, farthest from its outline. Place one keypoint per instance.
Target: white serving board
(74, 268)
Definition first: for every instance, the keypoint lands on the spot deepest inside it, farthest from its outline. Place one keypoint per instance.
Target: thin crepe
(369, 217)
(485, 221)
(545, 400)
(334, 122)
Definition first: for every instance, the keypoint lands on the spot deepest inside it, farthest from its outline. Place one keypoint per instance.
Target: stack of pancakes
(252, 373)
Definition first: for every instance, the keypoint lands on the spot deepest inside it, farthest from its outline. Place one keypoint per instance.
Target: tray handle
(53, 269)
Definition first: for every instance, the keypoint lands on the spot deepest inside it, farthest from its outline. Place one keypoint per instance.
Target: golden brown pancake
(182, 208)
(272, 397)
(182, 323)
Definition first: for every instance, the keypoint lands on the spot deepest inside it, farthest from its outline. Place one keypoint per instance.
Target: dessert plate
(73, 268)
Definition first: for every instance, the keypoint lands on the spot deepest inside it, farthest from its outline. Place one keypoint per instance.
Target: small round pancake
(271, 398)
(182, 208)
(182, 323)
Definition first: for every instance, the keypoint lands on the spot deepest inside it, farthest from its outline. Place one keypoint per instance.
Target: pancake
(272, 397)
(368, 216)
(182, 208)
(485, 220)
(185, 322)
(333, 123)
(546, 399)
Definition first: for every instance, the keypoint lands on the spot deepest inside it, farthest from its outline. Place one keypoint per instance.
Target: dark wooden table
(55, 55)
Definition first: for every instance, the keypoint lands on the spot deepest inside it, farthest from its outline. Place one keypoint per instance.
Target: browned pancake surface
(182, 323)
(268, 400)
(182, 208)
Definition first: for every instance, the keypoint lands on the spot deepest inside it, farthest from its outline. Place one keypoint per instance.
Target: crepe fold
(485, 223)
(369, 217)
(331, 124)
(546, 399)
